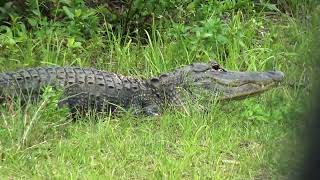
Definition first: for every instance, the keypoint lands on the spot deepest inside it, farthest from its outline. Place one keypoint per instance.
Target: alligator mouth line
(254, 89)
(237, 85)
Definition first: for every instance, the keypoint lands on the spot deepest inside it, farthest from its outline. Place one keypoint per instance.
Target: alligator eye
(216, 67)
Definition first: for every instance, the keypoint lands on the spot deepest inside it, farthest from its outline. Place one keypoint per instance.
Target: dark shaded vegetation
(131, 17)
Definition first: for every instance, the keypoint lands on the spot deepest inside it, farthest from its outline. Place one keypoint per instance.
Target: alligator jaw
(246, 90)
(223, 84)
(238, 85)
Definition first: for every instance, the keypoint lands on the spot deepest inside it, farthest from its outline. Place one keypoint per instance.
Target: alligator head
(215, 80)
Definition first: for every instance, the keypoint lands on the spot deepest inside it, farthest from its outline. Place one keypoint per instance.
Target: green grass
(255, 138)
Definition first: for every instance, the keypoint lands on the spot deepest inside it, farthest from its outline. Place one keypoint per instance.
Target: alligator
(86, 89)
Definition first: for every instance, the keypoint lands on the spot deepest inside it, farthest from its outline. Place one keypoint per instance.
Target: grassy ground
(255, 138)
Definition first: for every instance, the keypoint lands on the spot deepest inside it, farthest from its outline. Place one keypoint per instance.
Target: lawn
(259, 137)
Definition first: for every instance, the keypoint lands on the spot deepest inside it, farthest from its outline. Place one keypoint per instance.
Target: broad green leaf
(77, 12)
(68, 12)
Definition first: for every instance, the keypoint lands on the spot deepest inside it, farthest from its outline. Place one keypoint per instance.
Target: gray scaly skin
(199, 79)
(86, 89)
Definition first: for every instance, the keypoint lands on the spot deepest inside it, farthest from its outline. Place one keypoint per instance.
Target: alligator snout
(276, 75)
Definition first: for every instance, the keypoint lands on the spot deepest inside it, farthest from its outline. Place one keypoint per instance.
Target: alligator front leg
(149, 110)
(152, 110)
(146, 104)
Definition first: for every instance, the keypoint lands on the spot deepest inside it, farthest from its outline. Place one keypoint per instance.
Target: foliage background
(256, 138)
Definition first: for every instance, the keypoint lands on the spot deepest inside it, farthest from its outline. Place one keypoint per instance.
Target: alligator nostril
(276, 75)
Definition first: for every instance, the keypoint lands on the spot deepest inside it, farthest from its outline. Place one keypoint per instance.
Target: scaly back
(84, 88)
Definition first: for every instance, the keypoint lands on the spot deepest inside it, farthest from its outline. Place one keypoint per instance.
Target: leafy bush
(224, 30)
